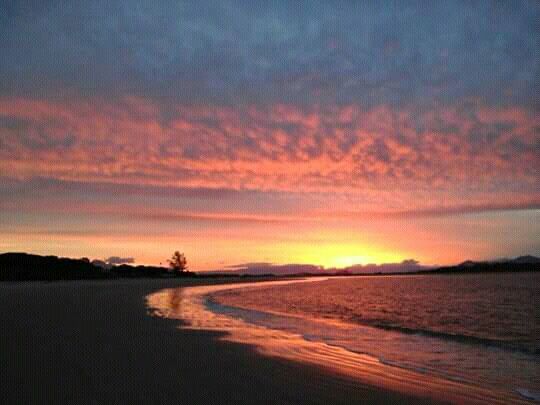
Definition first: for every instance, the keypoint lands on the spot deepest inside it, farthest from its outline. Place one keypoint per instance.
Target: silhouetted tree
(178, 262)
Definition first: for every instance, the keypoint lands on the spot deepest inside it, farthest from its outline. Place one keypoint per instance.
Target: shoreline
(190, 305)
(90, 342)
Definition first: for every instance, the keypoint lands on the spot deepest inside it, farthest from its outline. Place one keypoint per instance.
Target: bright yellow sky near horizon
(209, 246)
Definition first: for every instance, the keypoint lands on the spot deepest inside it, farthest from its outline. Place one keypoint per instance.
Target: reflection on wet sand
(189, 305)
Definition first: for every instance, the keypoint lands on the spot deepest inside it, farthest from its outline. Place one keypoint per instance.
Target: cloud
(114, 117)
(249, 265)
(52, 186)
(470, 154)
(269, 268)
(235, 52)
(408, 265)
(438, 211)
(114, 260)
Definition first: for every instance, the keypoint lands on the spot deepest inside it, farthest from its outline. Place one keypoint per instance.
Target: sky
(326, 133)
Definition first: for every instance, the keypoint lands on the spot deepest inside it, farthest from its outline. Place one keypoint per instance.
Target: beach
(94, 342)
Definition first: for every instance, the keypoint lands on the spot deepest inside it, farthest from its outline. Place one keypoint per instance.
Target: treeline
(26, 267)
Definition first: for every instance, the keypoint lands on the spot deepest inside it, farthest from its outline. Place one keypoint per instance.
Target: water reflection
(191, 305)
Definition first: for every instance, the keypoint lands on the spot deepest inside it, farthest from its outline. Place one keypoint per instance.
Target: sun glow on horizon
(341, 255)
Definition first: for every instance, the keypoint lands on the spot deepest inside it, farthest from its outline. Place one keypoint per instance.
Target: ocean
(477, 333)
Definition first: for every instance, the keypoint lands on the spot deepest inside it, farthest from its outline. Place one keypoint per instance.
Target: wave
(276, 336)
(260, 314)
(460, 338)
(528, 394)
(334, 338)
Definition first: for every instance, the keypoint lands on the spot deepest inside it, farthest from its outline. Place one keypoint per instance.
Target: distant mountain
(528, 259)
(518, 264)
(468, 263)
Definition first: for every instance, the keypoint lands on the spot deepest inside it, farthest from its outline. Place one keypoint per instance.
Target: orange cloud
(475, 154)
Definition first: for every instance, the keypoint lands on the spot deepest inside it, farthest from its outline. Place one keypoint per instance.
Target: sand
(92, 342)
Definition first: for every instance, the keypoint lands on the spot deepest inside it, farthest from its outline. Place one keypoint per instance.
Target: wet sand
(93, 342)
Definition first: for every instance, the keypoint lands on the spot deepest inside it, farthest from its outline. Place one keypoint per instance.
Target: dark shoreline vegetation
(30, 267)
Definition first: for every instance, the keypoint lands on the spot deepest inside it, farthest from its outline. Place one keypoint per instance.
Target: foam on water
(532, 395)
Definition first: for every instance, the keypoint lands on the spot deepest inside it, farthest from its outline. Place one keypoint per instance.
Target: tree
(178, 262)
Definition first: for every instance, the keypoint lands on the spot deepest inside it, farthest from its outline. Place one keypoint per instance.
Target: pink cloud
(481, 154)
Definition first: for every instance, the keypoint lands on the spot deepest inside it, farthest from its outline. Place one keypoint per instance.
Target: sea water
(481, 329)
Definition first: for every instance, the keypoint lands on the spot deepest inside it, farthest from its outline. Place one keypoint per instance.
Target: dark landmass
(27, 267)
(519, 264)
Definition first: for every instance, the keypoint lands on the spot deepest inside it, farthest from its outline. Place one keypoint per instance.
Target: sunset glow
(279, 137)
(253, 202)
